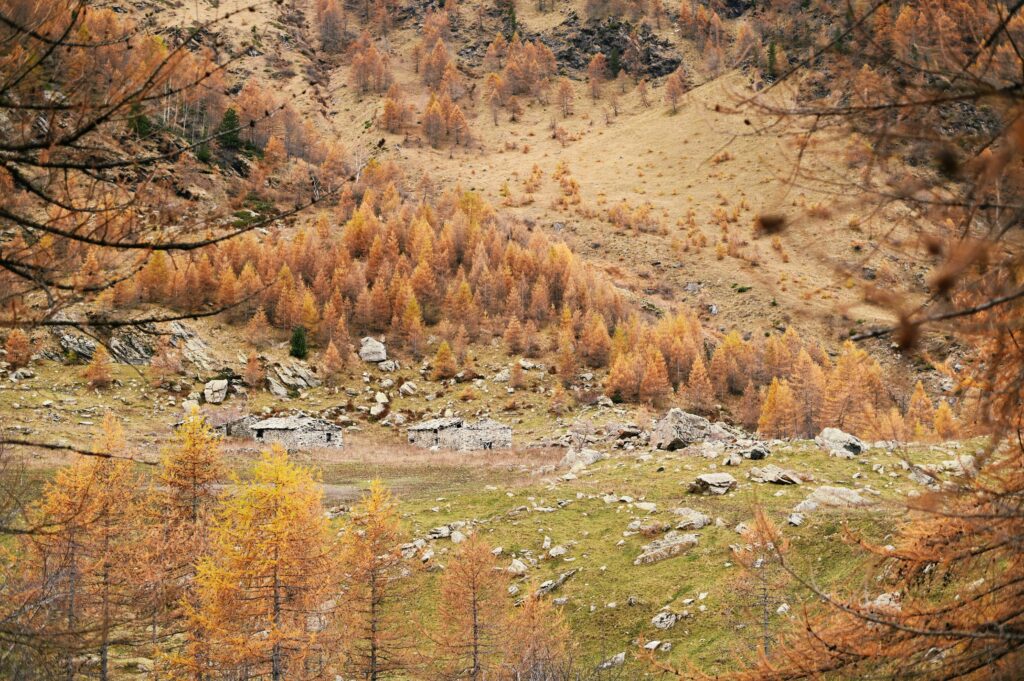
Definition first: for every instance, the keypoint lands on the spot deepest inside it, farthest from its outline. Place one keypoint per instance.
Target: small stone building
(455, 433)
(297, 432)
(433, 432)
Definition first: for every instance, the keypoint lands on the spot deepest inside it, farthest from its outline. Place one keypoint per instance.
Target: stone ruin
(456, 433)
(297, 432)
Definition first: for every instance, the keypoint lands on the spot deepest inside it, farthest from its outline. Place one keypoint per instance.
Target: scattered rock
(713, 483)
(613, 661)
(757, 452)
(690, 519)
(795, 519)
(553, 584)
(517, 567)
(669, 546)
(664, 620)
(775, 475)
(372, 350)
(216, 391)
(388, 365)
(840, 444)
(679, 429)
(831, 497)
(577, 459)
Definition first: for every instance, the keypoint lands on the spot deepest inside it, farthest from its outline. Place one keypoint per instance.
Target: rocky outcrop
(577, 43)
(372, 350)
(669, 546)
(679, 429)
(838, 443)
(283, 379)
(713, 483)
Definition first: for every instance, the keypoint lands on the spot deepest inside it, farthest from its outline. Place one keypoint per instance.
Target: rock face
(216, 391)
(775, 475)
(669, 546)
(713, 483)
(679, 429)
(831, 497)
(294, 376)
(372, 350)
(840, 444)
(575, 42)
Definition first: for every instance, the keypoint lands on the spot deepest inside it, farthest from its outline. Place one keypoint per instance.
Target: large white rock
(689, 519)
(216, 391)
(372, 350)
(713, 483)
(669, 546)
(840, 444)
(831, 497)
(581, 458)
(679, 429)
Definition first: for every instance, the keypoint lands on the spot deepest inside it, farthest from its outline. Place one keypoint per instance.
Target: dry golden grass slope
(700, 160)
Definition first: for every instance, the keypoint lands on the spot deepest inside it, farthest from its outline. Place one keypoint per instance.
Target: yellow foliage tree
(98, 372)
(472, 613)
(699, 390)
(270, 570)
(375, 588)
(79, 576)
(444, 362)
(946, 426)
(920, 412)
(779, 413)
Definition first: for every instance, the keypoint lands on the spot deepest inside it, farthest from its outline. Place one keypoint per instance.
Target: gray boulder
(713, 483)
(669, 546)
(757, 452)
(690, 519)
(679, 429)
(372, 350)
(838, 443)
(582, 458)
(216, 391)
(831, 497)
(775, 475)
(664, 620)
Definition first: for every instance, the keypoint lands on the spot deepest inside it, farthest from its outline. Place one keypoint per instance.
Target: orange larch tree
(375, 584)
(472, 613)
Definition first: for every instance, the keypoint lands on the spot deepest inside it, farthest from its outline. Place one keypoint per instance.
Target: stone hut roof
(437, 424)
(300, 422)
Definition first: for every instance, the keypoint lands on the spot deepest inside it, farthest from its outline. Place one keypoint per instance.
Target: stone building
(433, 432)
(455, 433)
(297, 432)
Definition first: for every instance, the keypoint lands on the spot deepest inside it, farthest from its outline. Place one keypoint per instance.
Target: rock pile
(713, 483)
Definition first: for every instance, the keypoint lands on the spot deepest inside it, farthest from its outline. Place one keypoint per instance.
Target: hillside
(601, 292)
